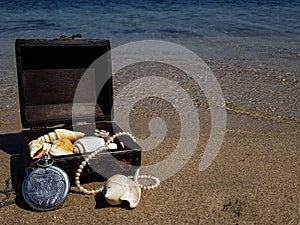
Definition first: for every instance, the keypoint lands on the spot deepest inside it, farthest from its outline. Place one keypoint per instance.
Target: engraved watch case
(46, 186)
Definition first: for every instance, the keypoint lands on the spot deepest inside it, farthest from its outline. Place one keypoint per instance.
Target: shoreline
(262, 79)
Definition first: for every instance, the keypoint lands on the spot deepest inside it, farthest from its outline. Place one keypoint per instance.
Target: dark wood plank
(61, 112)
(56, 86)
(58, 54)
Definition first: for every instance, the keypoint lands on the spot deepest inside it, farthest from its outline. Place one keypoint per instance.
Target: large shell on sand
(88, 144)
(119, 188)
(61, 147)
(60, 134)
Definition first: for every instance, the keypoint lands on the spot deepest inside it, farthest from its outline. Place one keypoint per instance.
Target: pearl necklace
(105, 147)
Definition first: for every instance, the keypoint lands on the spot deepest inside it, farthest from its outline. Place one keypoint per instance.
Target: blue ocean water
(149, 19)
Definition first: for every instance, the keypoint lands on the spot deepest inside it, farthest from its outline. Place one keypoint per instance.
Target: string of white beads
(105, 147)
(79, 170)
(147, 187)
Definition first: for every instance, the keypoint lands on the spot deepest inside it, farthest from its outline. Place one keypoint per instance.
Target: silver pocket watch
(45, 187)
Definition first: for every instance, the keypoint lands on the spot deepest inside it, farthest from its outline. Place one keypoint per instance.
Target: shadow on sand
(13, 144)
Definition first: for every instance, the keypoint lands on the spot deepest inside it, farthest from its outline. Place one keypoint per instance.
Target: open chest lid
(49, 72)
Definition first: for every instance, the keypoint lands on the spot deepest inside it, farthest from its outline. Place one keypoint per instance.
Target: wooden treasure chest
(49, 73)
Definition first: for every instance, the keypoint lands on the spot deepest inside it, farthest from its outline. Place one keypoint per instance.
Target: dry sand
(255, 178)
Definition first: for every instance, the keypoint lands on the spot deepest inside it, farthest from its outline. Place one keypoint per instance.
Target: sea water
(253, 34)
(266, 23)
(149, 18)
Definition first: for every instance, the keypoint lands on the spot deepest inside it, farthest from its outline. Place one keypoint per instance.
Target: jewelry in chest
(45, 187)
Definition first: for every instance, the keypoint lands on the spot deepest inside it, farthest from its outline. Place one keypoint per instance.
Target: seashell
(44, 150)
(48, 138)
(34, 147)
(88, 144)
(102, 133)
(52, 136)
(71, 135)
(47, 147)
(119, 188)
(59, 134)
(61, 147)
(112, 146)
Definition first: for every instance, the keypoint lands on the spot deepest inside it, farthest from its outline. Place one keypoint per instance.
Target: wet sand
(255, 178)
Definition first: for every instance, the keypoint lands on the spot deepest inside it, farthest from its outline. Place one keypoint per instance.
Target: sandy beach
(253, 50)
(253, 180)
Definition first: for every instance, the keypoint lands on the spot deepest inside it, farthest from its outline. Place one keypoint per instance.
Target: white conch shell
(91, 144)
(59, 134)
(61, 147)
(88, 144)
(119, 188)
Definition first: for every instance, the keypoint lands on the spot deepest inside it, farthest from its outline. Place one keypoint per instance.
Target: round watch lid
(45, 188)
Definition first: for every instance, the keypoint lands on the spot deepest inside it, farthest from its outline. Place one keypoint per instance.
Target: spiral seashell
(71, 135)
(61, 147)
(34, 147)
(45, 150)
(59, 134)
(48, 138)
(119, 188)
(88, 144)
(37, 147)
